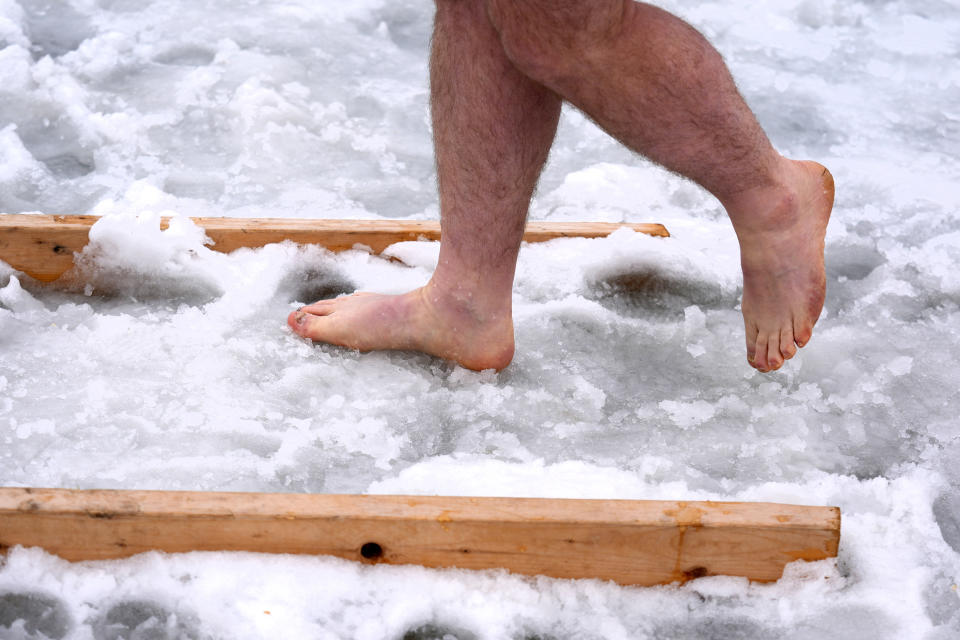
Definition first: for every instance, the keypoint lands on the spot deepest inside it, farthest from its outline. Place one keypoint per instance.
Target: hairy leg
(658, 86)
(492, 128)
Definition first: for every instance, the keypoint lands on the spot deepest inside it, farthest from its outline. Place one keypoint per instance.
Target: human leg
(655, 84)
(493, 128)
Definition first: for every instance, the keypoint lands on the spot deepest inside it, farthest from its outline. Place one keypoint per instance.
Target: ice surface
(163, 364)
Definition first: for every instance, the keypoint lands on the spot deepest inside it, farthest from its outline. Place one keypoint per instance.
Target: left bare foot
(477, 336)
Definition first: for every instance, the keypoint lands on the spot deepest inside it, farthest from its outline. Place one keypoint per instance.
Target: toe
(751, 332)
(312, 326)
(801, 333)
(297, 320)
(308, 325)
(787, 347)
(760, 353)
(774, 359)
(320, 328)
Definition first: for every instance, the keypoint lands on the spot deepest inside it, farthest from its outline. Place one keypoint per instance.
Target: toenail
(299, 317)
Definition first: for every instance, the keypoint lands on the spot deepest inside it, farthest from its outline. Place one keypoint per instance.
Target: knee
(543, 38)
(526, 43)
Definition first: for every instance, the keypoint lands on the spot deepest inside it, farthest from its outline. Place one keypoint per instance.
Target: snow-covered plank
(42, 246)
(640, 542)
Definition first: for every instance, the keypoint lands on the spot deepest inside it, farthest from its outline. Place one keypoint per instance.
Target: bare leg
(493, 128)
(654, 83)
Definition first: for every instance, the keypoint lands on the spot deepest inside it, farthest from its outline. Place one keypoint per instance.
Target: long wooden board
(636, 542)
(42, 246)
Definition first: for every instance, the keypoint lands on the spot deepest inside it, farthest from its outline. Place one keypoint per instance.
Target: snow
(165, 365)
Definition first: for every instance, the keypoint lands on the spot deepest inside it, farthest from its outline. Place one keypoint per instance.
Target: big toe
(304, 323)
(296, 320)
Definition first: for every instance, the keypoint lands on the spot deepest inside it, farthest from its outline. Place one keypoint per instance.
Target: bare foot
(781, 253)
(422, 320)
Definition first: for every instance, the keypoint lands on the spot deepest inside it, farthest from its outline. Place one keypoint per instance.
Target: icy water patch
(170, 351)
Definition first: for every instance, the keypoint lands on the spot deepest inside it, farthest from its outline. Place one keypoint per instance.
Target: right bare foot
(781, 231)
(425, 319)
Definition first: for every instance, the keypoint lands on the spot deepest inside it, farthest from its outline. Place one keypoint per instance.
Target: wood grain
(627, 541)
(42, 246)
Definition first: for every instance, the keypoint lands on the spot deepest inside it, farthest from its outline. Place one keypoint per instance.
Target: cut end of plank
(43, 246)
(635, 542)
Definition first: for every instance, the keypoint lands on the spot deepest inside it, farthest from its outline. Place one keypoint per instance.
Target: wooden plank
(42, 246)
(637, 542)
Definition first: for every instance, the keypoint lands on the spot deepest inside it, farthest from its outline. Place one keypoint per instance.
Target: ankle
(770, 207)
(478, 334)
(471, 301)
